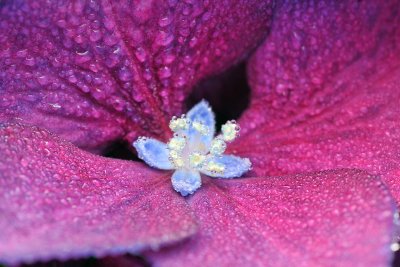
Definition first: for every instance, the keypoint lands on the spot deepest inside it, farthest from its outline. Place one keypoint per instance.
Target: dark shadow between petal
(120, 150)
(227, 93)
(126, 260)
(396, 260)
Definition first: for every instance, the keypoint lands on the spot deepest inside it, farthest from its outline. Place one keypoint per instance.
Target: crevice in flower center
(119, 150)
(227, 93)
(126, 259)
(193, 147)
(396, 259)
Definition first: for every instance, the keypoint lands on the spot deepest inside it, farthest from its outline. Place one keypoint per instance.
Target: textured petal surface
(186, 181)
(154, 153)
(77, 69)
(234, 166)
(328, 96)
(315, 219)
(314, 48)
(57, 201)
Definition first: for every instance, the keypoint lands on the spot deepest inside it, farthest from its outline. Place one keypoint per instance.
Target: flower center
(194, 152)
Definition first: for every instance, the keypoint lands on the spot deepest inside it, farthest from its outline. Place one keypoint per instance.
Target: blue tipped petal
(234, 166)
(154, 153)
(186, 181)
(203, 113)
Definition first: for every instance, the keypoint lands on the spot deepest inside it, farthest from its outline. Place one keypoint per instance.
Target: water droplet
(165, 21)
(22, 53)
(168, 58)
(125, 74)
(141, 54)
(29, 61)
(164, 38)
(95, 35)
(43, 80)
(164, 72)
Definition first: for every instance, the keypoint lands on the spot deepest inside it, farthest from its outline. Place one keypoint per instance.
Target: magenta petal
(57, 201)
(333, 218)
(351, 118)
(97, 71)
(307, 63)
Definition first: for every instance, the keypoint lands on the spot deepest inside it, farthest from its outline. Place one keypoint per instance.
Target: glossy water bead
(193, 149)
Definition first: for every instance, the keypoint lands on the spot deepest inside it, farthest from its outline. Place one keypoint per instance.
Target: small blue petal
(203, 113)
(186, 181)
(154, 153)
(234, 166)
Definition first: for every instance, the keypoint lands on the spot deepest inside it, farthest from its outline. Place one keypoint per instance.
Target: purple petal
(317, 54)
(350, 117)
(57, 201)
(315, 219)
(98, 71)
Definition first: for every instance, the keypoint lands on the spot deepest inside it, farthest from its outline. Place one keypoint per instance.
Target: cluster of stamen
(230, 131)
(185, 153)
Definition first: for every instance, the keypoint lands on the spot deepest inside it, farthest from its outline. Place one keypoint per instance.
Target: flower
(76, 76)
(193, 150)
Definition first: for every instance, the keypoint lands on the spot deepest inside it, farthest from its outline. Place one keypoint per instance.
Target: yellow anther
(174, 154)
(176, 158)
(213, 166)
(218, 146)
(177, 143)
(230, 131)
(200, 127)
(178, 124)
(196, 159)
(178, 162)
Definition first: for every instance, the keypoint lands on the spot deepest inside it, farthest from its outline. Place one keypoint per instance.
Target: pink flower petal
(98, 71)
(306, 64)
(57, 201)
(332, 218)
(351, 117)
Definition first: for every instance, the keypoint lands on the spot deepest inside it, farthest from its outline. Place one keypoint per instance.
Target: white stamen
(196, 159)
(176, 159)
(179, 124)
(395, 246)
(193, 150)
(230, 131)
(218, 146)
(177, 143)
(201, 128)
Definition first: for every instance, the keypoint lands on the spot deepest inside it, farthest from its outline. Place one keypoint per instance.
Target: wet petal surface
(77, 69)
(315, 219)
(305, 64)
(59, 202)
(337, 105)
